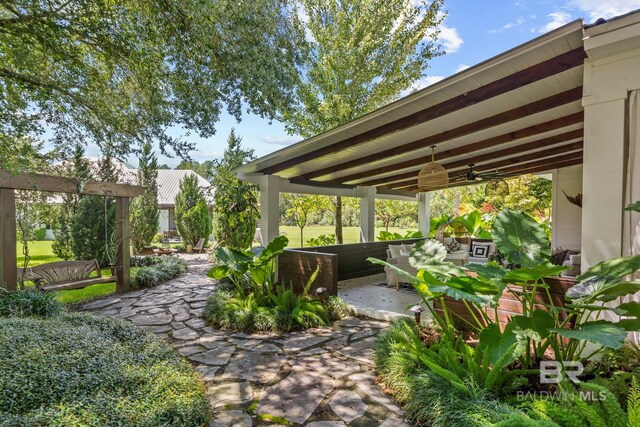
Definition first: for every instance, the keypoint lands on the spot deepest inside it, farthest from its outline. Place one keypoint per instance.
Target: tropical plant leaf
(426, 252)
(630, 325)
(488, 271)
(520, 238)
(533, 274)
(634, 207)
(504, 347)
(273, 249)
(460, 288)
(631, 309)
(616, 267)
(603, 332)
(219, 272)
(234, 259)
(535, 327)
(618, 290)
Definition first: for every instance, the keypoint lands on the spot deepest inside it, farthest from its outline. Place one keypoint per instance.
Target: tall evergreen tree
(192, 217)
(363, 55)
(235, 211)
(144, 209)
(93, 228)
(78, 167)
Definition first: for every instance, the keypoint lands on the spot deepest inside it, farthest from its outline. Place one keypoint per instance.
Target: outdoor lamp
(417, 311)
(321, 292)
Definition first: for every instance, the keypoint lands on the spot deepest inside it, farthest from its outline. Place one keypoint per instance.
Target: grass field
(350, 234)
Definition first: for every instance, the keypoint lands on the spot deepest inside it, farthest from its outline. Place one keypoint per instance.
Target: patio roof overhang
(519, 112)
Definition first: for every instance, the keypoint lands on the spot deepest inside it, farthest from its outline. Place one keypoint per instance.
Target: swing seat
(57, 276)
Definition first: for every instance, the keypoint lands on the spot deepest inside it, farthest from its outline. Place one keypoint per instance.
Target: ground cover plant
(253, 300)
(156, 270)
(63, 369)
(503, 363)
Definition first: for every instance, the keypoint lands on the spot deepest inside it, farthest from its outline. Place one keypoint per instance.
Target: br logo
(552, 372)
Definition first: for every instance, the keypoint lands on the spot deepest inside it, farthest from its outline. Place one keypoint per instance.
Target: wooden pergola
(56, 184)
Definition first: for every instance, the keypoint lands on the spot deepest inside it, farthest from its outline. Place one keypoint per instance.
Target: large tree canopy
(122, 72)
(362, 55)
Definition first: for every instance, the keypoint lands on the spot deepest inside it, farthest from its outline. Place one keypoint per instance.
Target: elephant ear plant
(543, 325)
(237, 266)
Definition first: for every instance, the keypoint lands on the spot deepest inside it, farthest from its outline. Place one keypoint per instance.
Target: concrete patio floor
(321, 377)
(370, 296)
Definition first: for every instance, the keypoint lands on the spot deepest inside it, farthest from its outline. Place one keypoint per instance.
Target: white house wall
(566, 226)
(163, 220)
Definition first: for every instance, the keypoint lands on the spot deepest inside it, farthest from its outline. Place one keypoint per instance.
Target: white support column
(424, 213)
(367, 213)
(269, 208)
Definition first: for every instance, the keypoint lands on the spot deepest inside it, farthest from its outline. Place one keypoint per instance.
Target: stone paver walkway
(319, 377)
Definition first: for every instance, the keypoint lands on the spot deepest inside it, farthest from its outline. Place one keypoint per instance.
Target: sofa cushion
(395, 250)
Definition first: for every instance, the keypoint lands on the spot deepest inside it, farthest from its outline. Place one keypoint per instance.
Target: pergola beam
(507, 152)
(542, 70)
(553, 101)
(537, 129)
(59, 184)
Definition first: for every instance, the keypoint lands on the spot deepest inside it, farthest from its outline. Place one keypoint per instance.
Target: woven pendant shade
(498, 187)
(432, 176)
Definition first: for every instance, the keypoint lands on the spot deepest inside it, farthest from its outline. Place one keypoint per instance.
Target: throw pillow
(453, 246)
(481, 250)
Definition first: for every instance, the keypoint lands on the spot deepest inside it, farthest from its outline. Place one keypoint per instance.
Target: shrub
(144, 209)
(28, 302)
(322, 240)
(87, 371)
(191, 212)
(165, 268)
(39, 234)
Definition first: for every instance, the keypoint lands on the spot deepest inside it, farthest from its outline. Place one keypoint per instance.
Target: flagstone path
(320, 377)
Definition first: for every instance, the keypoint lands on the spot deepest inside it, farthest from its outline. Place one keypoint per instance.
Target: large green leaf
(616, 267)
(533, 274)
(603, 332)
(426, 252)
(631, 309)
(219, 272)
(237, 261)
(520, 238)
(618, 290)
(488, 271)
(273, 249)
(535, 327)
(634, 207)
(498, 346)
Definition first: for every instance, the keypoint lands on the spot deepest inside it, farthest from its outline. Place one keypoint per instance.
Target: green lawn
(41, 253)
(350, 234)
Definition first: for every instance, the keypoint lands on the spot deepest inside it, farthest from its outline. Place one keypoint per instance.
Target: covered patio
(564, 104)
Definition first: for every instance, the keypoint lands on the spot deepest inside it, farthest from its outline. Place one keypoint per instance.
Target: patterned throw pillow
(481, 250)
(453, 246)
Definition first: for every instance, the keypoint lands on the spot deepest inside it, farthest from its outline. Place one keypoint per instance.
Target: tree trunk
(301, 237)
(339, 239)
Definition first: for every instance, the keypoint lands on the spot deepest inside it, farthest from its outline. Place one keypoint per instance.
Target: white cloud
(450, 38)
(279, 139)
(556, 19)
(461, 67)
(605, 9)
(509, 25)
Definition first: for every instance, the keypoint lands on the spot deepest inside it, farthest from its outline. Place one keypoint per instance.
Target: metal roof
(518, 112)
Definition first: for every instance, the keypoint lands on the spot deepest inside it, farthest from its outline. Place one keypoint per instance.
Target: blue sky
(473, 31)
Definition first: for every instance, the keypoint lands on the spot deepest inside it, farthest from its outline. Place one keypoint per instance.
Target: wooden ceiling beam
(542, 168)
(534, 145)
(512, 165)
(542, 70)
(535, 107)
(536, 129)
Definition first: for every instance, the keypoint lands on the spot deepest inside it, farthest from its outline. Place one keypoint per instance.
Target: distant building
(168, 188)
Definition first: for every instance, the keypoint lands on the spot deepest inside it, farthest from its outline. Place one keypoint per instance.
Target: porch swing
(64, 274)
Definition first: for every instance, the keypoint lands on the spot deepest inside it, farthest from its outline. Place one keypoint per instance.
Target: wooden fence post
(8, 261)
(122, 237)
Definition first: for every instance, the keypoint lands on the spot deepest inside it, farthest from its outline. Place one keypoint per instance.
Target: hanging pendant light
(432, 176)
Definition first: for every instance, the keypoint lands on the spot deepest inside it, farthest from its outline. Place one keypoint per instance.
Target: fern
(633, 404)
